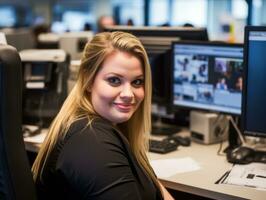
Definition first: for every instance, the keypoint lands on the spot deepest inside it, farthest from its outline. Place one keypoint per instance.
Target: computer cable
(241, 137)
(220, 131)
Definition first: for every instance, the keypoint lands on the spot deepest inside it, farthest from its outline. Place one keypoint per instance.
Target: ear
(89, 89)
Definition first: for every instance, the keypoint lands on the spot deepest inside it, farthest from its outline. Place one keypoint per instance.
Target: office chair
(16, 180)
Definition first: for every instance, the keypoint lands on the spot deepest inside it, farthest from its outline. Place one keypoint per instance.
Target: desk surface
(200, 182)
(33, 143)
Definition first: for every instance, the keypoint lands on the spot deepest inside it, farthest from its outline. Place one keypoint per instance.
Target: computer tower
(208, 128)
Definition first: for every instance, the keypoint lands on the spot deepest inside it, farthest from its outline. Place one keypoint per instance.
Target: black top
(94, 162)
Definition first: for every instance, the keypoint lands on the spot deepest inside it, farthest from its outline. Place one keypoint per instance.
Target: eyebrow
(119, 75)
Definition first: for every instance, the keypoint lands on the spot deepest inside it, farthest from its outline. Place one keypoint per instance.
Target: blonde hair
(78, 104)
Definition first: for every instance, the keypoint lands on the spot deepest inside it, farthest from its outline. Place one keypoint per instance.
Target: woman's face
(118, 88)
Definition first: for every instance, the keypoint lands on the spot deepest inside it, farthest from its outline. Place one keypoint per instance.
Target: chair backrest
(16, 180)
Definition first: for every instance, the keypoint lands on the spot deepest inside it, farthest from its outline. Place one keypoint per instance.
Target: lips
(124, 107)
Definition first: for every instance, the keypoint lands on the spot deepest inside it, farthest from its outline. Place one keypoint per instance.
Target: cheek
(139, 94)
(102, 96)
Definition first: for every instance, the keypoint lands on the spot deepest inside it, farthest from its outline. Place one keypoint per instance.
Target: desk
(200, 182)
(33, 143)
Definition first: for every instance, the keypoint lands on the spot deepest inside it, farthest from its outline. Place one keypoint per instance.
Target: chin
(121, 119)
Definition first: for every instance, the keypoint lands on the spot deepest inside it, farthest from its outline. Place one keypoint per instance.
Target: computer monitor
(207, 76)
(159, 54)
(254, 90)
(20, 38)
(183, 33)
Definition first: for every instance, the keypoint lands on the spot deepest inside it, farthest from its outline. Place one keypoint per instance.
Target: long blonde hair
(78, 104)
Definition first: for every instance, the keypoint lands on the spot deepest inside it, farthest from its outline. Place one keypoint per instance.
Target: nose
(127, 93)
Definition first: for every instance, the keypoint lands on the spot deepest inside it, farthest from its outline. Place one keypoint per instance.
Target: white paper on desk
(164, 168)
(252, 175)
(37, 139)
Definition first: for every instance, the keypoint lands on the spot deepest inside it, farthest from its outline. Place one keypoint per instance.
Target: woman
(96, 146)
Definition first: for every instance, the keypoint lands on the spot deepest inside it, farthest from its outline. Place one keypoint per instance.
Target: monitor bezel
(174, 107)
(244, 130)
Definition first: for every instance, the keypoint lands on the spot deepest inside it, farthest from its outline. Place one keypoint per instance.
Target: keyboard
(162, 146)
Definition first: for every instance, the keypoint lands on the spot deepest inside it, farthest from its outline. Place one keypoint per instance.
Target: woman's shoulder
(91, 130)
(90, 124)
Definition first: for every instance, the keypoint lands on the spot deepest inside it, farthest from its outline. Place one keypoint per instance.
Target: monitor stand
(233, 135)
(160, 128)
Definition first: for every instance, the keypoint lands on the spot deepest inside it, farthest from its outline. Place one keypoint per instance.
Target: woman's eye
(114, 81)
(138, 82)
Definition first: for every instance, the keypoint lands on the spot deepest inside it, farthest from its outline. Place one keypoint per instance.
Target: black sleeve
(95, 166)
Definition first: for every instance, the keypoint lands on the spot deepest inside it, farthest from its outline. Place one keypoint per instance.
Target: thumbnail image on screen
(208, 76)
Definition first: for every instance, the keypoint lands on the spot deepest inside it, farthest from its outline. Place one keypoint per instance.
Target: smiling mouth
(125, 107)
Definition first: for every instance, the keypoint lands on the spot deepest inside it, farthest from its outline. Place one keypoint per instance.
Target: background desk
(33, 143)
(200, 182)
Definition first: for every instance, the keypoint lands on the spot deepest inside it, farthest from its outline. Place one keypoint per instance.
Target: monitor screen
(207, 76)
(20, 38)
(254, 96)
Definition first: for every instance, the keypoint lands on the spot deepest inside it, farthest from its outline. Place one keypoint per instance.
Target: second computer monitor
(207, 76)
(254, 95)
